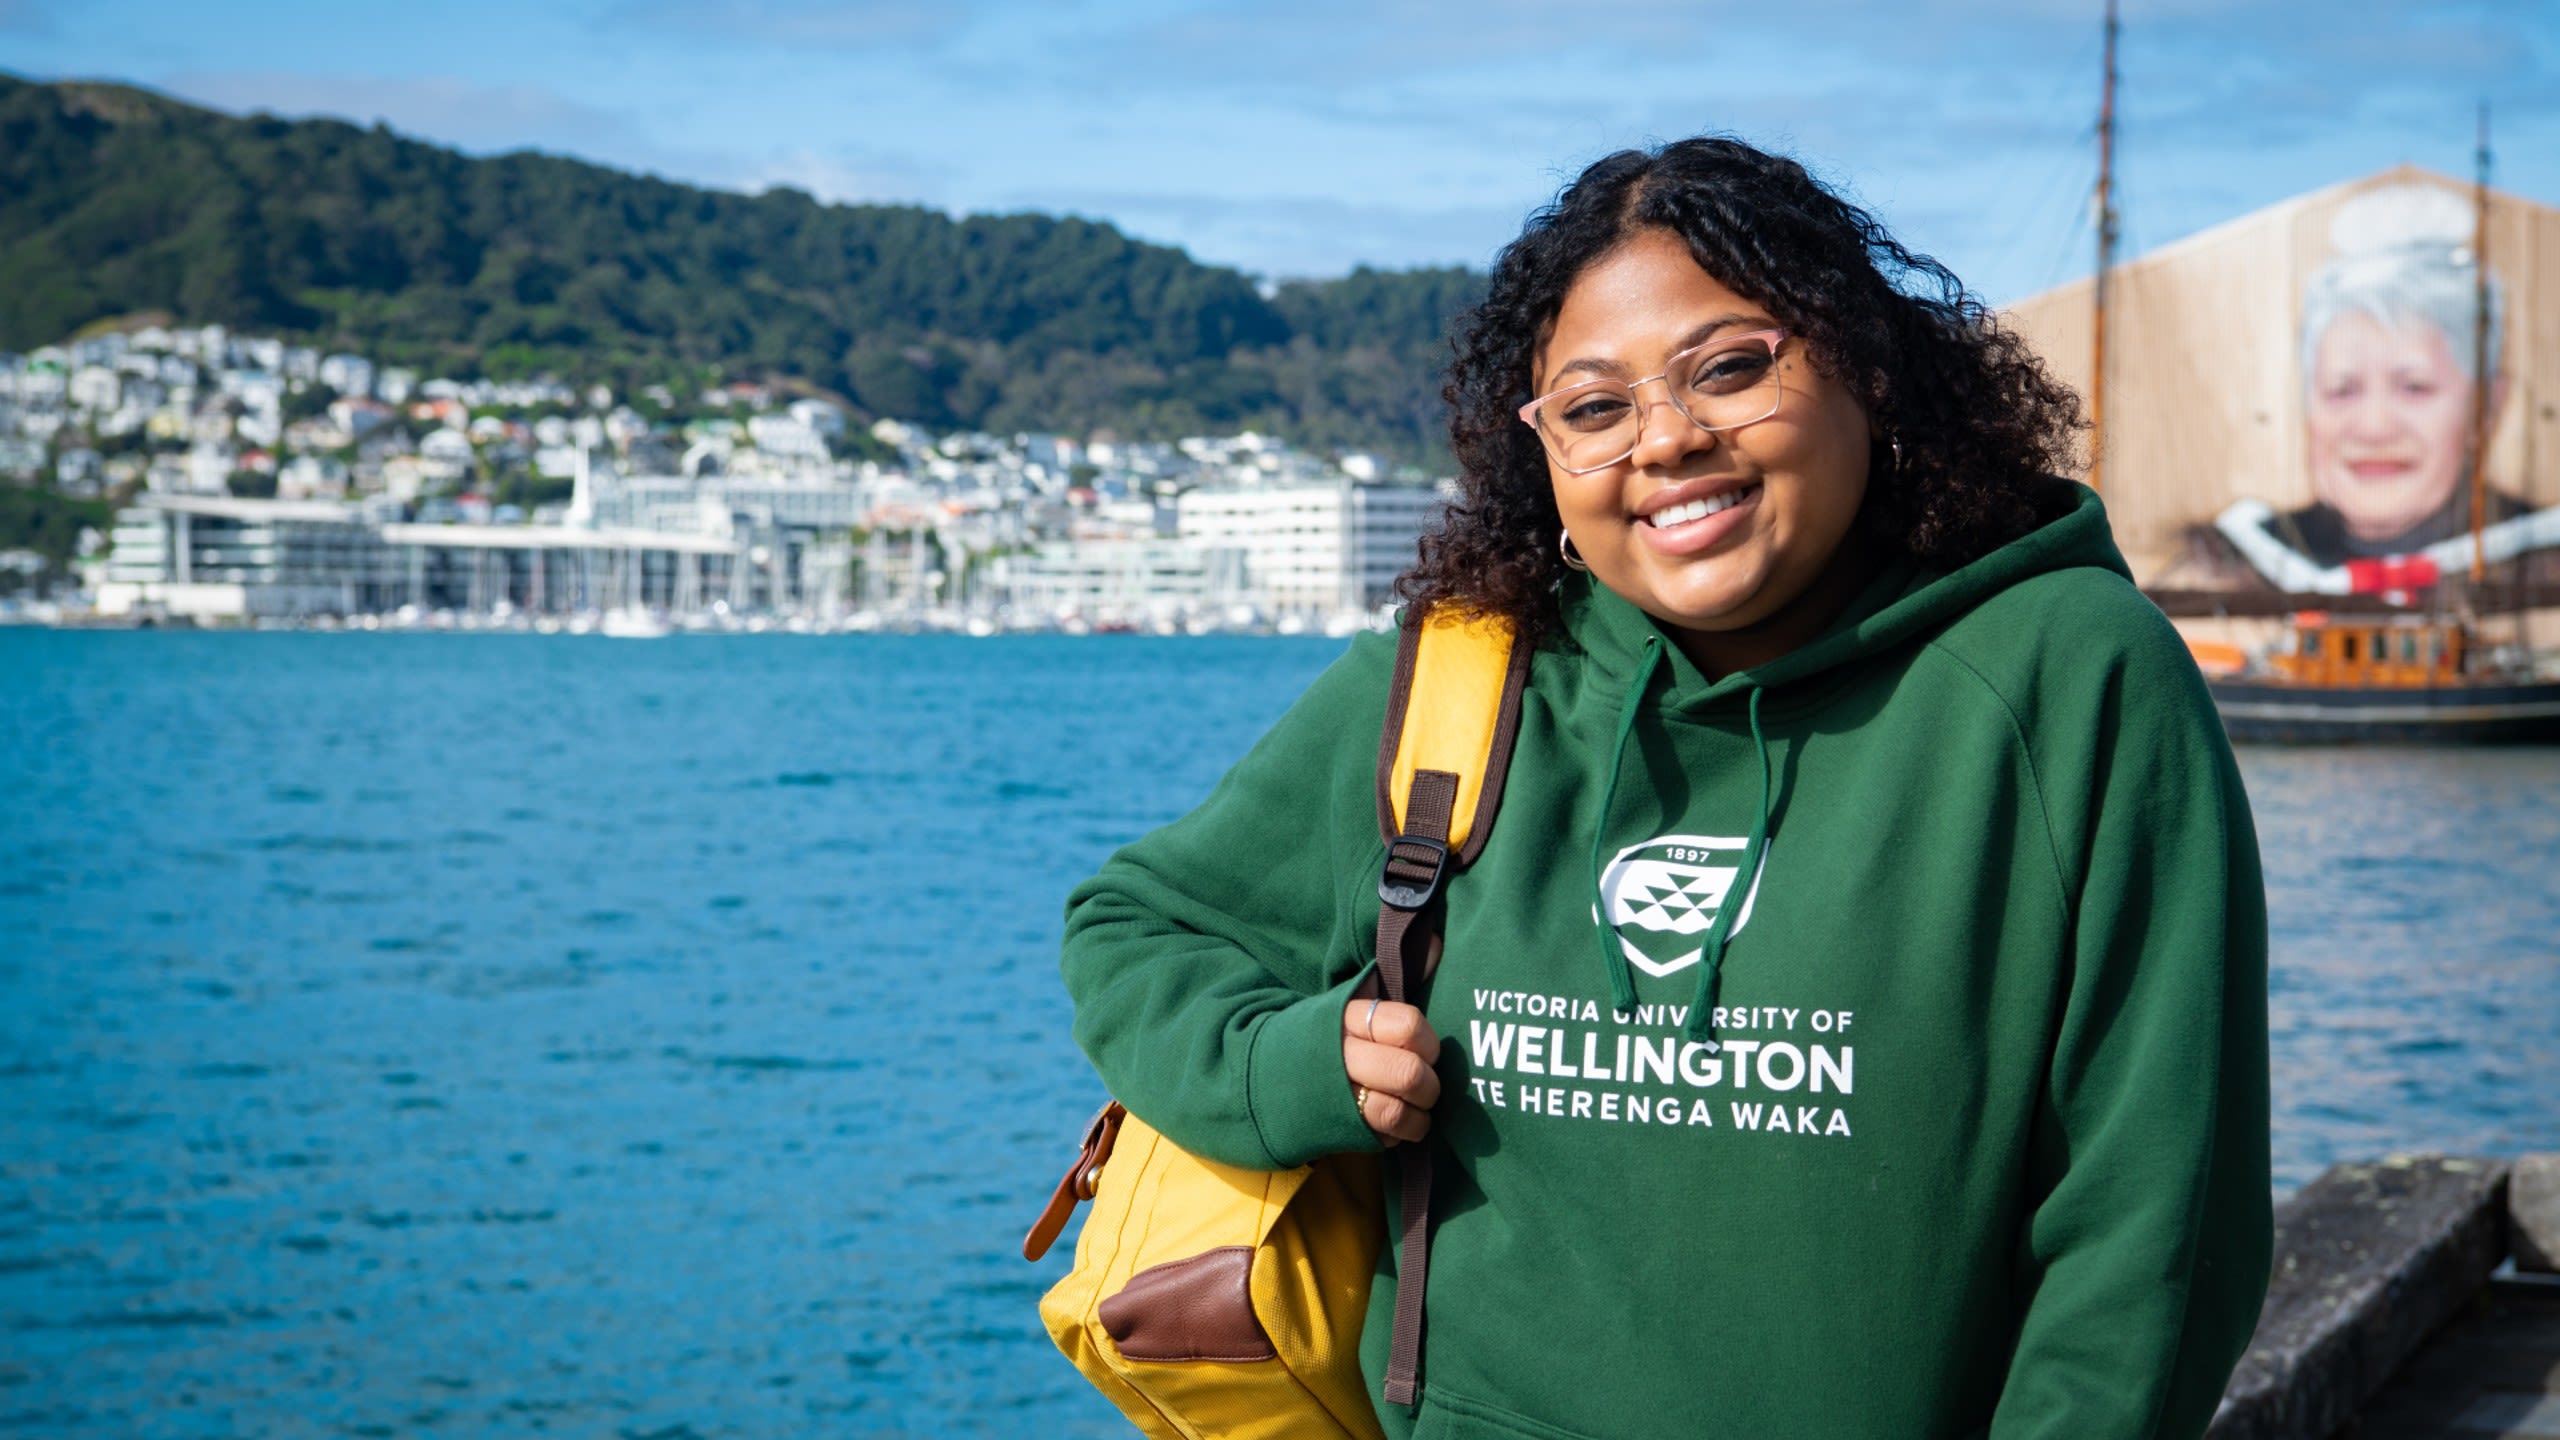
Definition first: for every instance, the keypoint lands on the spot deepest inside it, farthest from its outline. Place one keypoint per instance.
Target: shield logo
(1664, 894)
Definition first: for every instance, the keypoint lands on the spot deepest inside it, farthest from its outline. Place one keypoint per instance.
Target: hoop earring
(1894, 442)
(1572, 558)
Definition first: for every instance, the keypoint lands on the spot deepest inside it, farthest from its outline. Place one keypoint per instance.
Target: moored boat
(634, 623)
(2391, 679)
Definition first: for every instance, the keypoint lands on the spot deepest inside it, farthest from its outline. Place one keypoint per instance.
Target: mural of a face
(2389, 415)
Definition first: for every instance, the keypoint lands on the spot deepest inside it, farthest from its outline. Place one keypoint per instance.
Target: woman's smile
(1693, 518)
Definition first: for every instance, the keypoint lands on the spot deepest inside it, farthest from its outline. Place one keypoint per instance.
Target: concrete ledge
(2533, 1210)
(2369, 1261)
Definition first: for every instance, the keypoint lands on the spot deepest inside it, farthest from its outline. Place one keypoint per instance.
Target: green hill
(115, 200)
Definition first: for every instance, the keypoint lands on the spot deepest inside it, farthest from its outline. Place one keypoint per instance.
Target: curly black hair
(1982, 427)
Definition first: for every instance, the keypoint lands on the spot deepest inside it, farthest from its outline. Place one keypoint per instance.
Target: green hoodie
(1974, 1134)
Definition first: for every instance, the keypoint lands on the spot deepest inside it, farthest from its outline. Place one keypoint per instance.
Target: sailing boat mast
(2480, 350)
(2106, 261)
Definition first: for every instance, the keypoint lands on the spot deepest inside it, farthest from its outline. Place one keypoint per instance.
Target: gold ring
(1360, 1098)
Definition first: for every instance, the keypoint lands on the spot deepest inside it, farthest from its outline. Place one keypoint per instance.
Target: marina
(810, 556)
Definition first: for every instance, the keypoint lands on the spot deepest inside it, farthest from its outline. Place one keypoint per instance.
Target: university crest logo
(1663, 896)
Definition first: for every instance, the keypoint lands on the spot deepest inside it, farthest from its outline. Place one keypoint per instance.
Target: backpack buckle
(1398, 887)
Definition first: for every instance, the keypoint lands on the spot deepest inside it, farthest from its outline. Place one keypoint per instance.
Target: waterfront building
(1133, 581)
(215, 557)
(1321, 548)
(223, 558)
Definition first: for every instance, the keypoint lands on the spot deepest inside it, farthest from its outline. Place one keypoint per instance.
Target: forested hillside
(115, 200)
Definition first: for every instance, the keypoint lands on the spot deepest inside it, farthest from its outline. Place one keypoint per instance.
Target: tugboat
(2392, 679)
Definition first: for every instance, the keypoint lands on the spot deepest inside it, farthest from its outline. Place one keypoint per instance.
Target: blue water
(409, 1035)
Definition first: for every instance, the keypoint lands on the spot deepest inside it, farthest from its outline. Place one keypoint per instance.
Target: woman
(2387, 351)
(2388, 417)
(2389, 327)
(1959, 1121)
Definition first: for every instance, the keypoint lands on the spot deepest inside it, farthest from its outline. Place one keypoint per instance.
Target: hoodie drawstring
(1745, 881)
(1622, 981)
(1613, 955)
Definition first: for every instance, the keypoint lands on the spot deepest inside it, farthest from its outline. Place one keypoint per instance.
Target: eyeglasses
(1729, 382)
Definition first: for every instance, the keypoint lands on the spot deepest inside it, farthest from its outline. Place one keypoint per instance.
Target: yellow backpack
(1208, 1300)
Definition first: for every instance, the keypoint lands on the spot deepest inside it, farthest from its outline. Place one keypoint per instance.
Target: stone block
(2533, 1212)
(2369, 1261)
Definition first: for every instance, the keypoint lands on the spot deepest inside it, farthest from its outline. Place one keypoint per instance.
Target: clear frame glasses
(1724, 384)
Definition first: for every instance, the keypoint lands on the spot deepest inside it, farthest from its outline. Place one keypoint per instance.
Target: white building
(1158, 581)
(94, 387)
(209, 465)
(312, 477)
(1320, 548)
(447, 446)
(214, 557)
(349, 375)
(21, 457)
(674, 502)
(787, 436)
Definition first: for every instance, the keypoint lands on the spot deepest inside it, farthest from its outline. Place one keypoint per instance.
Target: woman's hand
(1388, 1050)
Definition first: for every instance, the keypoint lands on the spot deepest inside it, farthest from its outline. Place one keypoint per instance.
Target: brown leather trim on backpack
(1195, 1309)
(1078, 1184)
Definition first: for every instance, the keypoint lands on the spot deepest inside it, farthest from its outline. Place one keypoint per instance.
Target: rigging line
(2084, 202)
(2062, 270)
(2061, 198)
(2060, 97)
(2063, 178)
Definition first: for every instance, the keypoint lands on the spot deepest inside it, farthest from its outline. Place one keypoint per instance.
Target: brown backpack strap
(1473, 665)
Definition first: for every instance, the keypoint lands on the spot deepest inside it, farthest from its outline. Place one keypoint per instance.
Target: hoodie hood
(1902, 602)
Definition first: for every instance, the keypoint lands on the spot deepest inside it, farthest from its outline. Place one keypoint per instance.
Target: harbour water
(420, 1035)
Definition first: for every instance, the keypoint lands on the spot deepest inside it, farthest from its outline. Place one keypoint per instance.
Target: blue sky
(1302, 138)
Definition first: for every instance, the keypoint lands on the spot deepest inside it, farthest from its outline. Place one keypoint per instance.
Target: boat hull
(2255, 711)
